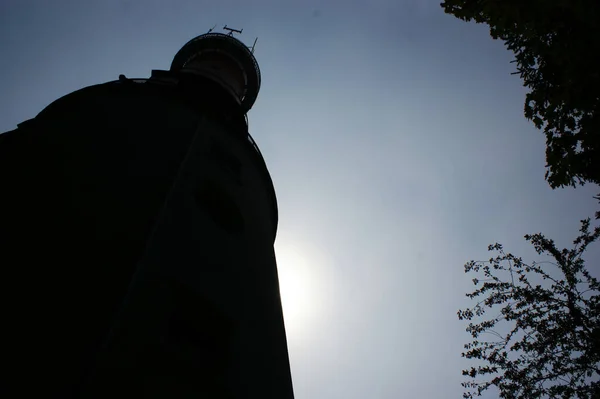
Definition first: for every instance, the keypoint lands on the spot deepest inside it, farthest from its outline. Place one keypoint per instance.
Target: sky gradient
(396, 141)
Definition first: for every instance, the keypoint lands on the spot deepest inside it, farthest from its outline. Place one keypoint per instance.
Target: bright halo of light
(298, 286)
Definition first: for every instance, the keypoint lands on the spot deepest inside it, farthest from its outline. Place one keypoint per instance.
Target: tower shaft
(137, 243)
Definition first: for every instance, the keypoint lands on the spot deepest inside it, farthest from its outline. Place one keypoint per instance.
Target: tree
(545, 336)
(556, 45)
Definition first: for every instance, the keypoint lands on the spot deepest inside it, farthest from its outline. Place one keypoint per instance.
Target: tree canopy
(535, 327)
(556, 45)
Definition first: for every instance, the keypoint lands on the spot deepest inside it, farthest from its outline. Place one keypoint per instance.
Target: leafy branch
(551, 347)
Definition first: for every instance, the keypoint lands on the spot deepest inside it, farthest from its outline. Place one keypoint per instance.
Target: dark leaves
(551, 40)
(534, 340)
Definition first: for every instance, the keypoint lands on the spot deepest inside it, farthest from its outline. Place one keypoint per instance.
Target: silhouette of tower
(136, 239)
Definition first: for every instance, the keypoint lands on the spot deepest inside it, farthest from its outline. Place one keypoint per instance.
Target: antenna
(253, 45)
(232, 31)
(211, 29)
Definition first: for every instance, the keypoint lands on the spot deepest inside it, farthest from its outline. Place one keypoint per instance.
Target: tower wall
(138, 229)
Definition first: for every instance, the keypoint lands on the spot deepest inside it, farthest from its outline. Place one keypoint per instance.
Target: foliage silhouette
(556, 45)
(545, 336)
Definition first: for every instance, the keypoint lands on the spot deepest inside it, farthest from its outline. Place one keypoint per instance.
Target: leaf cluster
(556, 45)
(535, 339)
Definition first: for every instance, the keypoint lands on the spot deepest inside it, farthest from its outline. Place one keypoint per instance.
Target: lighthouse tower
(136, 236)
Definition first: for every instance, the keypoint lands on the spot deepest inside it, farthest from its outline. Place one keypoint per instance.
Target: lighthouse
(136, 238)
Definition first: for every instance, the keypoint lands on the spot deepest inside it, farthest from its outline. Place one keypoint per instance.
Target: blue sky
(396, 140)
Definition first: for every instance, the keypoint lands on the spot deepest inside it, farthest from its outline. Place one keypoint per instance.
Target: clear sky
(396, 140)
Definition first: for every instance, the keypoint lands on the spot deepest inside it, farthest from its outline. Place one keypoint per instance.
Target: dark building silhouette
(136, 239)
